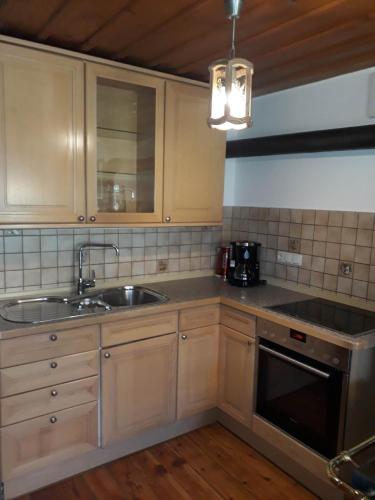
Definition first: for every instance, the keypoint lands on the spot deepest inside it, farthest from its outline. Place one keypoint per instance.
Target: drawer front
(239, 321)
(54, 343)
(32, 376)
(129, 330)
(197, 317)
(50, 399)
(51, 439)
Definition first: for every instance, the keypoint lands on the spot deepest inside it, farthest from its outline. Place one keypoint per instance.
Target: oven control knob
(312, 350)
(284, 339)
(335, 361)
(272, 335)
(265, 332)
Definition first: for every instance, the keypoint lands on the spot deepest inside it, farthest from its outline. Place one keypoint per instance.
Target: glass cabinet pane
(125, 147)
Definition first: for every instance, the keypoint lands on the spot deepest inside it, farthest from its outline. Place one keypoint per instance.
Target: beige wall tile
(333, 251)
(307, 231)
(362, 255)
(306, 261)
(366, 220)
(320, 233)
(295, 230)
(347, 252)
(296, 215)
(284, 228)
(334, 234)
(364, 237)
(349, 235)
(344, 285)
(280, 271)
(306, 247)
(321, 218)
(371, 291)
(350, 219)
(316, 279)
(359, 289)
(330, 282)
(304, 276)
(331, 266)
(308, 217)
(292, 273)
(361, 272)
(372, 274)
(317, 264)
(285, 214)
(319, 248)
(335, 218)
(282, 243)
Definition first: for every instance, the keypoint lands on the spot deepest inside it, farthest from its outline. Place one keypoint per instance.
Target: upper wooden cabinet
(194, 157)
(125, 134)
(150, 156)
(41, 137)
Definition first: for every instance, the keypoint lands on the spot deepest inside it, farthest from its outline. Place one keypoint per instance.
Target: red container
(222, 262)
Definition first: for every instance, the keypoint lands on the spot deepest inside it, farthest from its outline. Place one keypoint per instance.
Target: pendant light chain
(233, 49)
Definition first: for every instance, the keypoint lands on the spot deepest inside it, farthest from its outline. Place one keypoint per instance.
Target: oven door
(300, 395)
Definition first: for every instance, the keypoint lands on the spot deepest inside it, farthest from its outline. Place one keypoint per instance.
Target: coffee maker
(243, 263)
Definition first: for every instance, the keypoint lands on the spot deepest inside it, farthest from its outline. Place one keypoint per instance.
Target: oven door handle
(293, 361)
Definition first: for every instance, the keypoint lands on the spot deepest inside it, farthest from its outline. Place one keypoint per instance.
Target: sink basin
(130, 296)
(35, 310)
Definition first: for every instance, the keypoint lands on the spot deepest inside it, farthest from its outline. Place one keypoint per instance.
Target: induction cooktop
(340, 317)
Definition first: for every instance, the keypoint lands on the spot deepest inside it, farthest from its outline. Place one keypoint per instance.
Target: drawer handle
(184, 337)
(53, 420)
(107, 355)
(53, 364)
(54, 392)
(53, 337)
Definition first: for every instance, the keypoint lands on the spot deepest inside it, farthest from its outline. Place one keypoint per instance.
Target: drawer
(268, 329)
(29, 446)
(24, 378)
(54, 343)
(129, 330)
(50, 399)
(237, 320)
(196, 317)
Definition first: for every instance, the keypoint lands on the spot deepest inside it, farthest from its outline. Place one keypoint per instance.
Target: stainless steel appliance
(243, 263)
(319, 393)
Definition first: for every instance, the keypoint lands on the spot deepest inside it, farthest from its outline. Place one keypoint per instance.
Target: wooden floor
(209, 463)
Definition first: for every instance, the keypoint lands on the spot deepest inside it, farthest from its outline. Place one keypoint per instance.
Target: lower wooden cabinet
(236, 369)
(50, 439)
(198, 370)
(138, 387)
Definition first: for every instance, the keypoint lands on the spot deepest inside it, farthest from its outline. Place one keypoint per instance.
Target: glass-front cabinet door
(124, 117)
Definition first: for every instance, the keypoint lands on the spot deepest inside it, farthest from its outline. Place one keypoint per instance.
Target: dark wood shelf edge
(337, 139)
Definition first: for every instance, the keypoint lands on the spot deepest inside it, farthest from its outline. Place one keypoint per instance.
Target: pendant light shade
(230, 84)
(230, 94)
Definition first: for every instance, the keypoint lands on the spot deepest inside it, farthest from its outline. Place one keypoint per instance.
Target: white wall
(334, 181)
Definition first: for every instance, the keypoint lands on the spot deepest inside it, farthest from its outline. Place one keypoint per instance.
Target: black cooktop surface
(346, 319)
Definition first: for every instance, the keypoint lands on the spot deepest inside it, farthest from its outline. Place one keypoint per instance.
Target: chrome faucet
(90, 283)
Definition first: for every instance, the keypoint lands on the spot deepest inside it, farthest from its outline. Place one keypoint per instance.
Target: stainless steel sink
(35, 310)
(130, 296)
(45, 309)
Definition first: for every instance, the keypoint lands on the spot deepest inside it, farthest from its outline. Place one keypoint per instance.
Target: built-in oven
(302, 386)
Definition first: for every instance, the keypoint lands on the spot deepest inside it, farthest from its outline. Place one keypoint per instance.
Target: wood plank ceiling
(290, 42)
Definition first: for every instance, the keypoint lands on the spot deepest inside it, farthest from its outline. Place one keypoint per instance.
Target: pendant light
(230, 84)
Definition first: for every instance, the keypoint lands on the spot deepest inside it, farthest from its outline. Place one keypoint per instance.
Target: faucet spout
(83, 283)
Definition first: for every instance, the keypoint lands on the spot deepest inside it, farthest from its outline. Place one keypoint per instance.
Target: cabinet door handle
(53, 420)
(93, 218)
(53, 337)
(81, 218)
(54, 392)
(184, 337)
(168, 219)
(53, 364)
(107, 355)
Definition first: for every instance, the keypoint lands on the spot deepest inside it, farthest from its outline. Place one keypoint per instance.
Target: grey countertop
(187, 292)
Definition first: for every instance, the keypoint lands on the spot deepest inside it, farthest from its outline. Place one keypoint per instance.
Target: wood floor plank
(210, 463)
(247, 456)
(192, 482)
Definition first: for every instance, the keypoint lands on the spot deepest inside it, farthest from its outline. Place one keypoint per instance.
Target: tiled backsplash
(326, 240)
(48, 258)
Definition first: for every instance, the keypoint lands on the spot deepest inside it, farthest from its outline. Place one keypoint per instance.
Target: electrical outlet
(12, 232)
(346, 269)
(162, 266)
(293, 259)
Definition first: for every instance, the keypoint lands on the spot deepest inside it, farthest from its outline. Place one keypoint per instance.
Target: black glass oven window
(347, 319)
(301, 403)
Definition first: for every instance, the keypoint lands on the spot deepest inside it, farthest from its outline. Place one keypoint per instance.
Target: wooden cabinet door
(125, 142)
(41, 137)
(197, 370)
(138, 387)
(236, 367)
(194, 158)
(31, 445)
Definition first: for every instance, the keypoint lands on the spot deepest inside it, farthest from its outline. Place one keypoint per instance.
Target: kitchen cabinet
(197, 370)
(236, 372)
(138, 387)
(194, 158)
(125, 134)
(41, 137)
